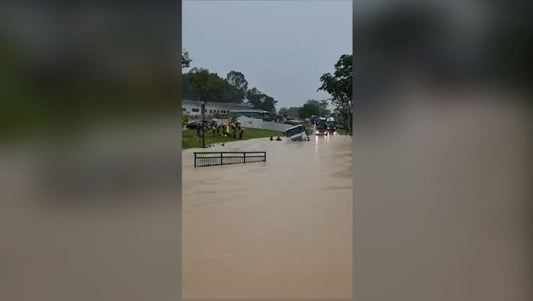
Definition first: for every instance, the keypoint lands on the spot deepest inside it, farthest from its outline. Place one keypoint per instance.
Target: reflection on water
(274, 230)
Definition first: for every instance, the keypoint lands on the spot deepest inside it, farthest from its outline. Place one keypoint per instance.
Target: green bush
(185, 119)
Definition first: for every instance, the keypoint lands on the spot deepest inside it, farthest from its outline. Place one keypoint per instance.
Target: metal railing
(224, 158)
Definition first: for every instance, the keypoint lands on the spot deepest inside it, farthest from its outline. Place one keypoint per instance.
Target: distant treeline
(235, 91)
(311, 107)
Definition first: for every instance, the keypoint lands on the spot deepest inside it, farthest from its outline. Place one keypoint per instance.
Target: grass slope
(190, 140)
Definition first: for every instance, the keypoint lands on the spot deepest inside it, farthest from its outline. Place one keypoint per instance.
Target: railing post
(244, 157)
(221, 158)
(194, 159)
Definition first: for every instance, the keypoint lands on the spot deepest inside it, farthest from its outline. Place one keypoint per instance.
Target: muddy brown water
(280, 229)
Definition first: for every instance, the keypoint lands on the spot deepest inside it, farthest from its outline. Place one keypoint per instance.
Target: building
(251, 113)
(257, 123)
(193, 107)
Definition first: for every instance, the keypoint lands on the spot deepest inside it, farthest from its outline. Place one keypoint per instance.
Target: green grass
(190, 140)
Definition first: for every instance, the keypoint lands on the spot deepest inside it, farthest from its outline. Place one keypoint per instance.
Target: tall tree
(291, 112)
(237, 80)
(206, 85)
(185, 60)
(254, 97)
(314, 107)
(268, 104)
(236, 87)
(339, 86)
(309, 109)
(261, 101)
(231, 94)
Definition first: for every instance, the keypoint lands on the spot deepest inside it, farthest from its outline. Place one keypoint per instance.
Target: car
(194, 124)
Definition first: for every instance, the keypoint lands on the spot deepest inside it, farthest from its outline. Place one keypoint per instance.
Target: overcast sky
(282, 47)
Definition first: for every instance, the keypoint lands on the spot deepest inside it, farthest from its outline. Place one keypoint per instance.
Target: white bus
(296, 133)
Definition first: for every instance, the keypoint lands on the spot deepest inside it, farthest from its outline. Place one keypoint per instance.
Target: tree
(261, 101)
(314, 107)
(268, 104)
(206, 85)
(290, 112)
(283, 111)
(308, 109)
(235, 89)
(231, 94)
(237, 80)
(185, 119)
(185, 60)
(339, 86)
(254, 97)
(324, 106)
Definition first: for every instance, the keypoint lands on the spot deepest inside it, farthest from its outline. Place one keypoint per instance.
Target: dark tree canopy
(254, 97)
(307, 110)
(234, 90)
(206, 85)
(185, 60)
(237, 80)
(314, 107)
(290, 112)
(269, 104)
(261, 101)
(339, 86)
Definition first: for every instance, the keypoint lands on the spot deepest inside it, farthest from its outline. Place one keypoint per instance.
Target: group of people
(231, 129)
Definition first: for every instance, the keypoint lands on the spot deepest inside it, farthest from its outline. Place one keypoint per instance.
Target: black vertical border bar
(355, 100)
(179, 135)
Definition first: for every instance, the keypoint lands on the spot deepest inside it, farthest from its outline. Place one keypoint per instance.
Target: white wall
(255, 123)
(188, 109)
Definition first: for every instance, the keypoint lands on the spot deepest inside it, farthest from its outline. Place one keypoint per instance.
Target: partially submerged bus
(297, 133)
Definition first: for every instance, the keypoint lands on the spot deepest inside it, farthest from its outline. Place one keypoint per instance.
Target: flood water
(280, 229)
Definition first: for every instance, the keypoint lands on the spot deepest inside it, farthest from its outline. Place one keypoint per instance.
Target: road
(275, 230)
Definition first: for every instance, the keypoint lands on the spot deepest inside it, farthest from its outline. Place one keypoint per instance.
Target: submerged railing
(223, 158)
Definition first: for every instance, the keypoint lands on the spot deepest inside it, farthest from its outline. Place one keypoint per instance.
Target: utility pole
(203, 123)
